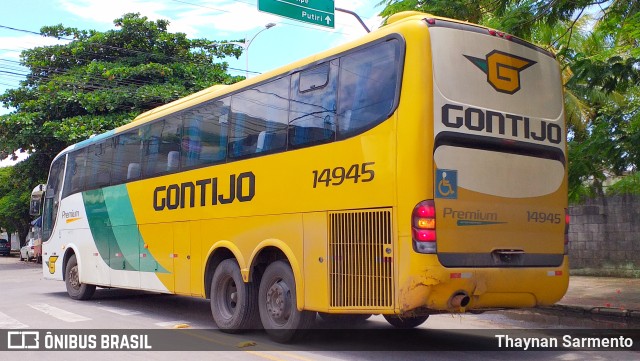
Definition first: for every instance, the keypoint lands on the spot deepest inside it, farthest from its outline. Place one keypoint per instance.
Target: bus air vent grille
(360, 259)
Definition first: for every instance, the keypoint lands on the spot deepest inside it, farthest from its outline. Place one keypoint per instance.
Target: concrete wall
(604, 237)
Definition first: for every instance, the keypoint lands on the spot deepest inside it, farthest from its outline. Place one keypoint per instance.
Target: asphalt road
(27, 302)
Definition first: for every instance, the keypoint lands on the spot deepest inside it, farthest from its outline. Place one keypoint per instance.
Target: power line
(11, 68)
(81, 83)
(10, 60)
(94, 76)
(10, 72)
(124, 49)
(105, 56)
(21, 30)
(14, 49)
(84, 84)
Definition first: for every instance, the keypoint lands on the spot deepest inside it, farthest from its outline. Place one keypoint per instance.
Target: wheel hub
(73, 278)
(279, 302)
(232, 295)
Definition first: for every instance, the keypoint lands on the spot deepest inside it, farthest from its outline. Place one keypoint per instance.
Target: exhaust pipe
(458, 300)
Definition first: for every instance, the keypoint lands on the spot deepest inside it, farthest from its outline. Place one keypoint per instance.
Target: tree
(14, 216)
(96, 82)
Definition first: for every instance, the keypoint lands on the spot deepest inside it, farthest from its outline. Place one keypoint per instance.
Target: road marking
(120, 311)
(294, 356)
(170, 323)
(58, 313)
(7, 322)
(265, 355)
(278, 355)
(219, 341)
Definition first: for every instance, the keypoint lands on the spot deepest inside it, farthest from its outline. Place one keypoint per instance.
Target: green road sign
(317, 12)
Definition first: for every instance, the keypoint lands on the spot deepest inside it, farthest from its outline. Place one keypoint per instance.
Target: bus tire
(405, 322)
(277, 302)
(234, 303)
(75, 289)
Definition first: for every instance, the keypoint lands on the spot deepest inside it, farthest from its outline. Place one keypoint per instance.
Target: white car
(27, 252)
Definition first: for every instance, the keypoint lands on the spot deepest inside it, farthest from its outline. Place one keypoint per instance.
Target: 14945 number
(339, 175)
(542, 217)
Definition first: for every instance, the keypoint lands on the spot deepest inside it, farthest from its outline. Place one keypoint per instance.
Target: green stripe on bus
(115, 230)
(98, 217)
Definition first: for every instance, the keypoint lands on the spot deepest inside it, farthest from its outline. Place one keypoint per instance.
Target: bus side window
(313, 105)
(126, 152)
(99, 158)
(259, 119)
(205, 128)
(151, 141)
(170, 141)
(75, 173)
(160, 139)
(368, 82)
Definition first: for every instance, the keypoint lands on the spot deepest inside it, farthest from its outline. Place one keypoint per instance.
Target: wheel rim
(229, 296)
(74, 280)
(279, 305)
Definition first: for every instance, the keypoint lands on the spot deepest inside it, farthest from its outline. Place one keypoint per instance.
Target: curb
(598, 310)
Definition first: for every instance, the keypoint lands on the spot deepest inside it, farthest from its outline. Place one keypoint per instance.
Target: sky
(220, 20)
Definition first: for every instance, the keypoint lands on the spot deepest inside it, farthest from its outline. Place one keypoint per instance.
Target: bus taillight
(567, 219)
(423, 227)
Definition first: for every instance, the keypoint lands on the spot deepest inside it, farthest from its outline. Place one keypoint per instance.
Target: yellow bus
(420, 169)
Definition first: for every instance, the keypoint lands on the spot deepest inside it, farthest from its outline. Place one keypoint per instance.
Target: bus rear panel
(496, 219)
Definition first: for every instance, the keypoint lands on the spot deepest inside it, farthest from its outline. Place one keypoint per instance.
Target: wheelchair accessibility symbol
(446, 184)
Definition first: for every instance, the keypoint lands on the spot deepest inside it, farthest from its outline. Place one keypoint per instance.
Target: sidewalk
(603, 295)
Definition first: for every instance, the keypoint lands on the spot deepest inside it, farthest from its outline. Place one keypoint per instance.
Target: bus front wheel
(234, 304)
(75, 289)
(405, 322)
(277, 302)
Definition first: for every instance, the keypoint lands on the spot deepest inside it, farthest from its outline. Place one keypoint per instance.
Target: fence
(604, 237)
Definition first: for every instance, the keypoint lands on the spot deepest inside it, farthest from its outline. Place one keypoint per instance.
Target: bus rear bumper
(458, 290)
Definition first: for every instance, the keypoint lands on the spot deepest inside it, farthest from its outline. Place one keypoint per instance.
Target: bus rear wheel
(234, 303)
(277, 302)
(75, 289)
(405, 322)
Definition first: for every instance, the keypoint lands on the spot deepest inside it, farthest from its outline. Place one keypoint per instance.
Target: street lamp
(245, 45)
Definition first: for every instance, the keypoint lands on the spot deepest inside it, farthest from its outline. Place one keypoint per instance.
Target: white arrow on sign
(328, 19)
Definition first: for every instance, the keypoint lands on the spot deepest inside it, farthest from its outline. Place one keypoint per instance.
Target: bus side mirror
(34, 208)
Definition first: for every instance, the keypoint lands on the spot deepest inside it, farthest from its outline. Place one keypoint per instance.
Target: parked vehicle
(27, 252)
(5, 247)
